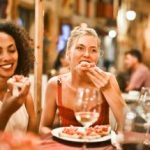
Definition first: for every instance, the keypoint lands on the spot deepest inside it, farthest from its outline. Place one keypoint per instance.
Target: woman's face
(8, 55)
(84, 49)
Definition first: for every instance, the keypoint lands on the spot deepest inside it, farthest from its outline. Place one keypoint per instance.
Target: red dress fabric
(67, 115)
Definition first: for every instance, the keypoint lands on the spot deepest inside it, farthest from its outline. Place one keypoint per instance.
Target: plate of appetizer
(94, 134)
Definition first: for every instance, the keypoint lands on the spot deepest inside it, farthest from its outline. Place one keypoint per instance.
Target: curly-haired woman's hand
(18, 89)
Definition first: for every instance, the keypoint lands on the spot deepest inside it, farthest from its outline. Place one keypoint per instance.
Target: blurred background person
(61, 64)
(138, 72)
(122, 78)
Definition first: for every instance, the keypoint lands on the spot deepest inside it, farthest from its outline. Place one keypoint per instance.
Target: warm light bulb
(130, 15)
(112, 33)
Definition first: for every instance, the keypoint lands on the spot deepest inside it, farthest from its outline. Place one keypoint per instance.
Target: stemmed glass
(144, 102)
(87, 107)
(136, 123)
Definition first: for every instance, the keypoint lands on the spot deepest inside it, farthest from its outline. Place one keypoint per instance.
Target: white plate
(56, 133)
(129, 98)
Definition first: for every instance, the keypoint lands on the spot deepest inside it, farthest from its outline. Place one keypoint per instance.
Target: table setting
(85, 137)
(135, 133)
(131, 96)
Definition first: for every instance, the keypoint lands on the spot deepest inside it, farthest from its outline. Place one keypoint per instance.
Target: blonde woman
(83, 52)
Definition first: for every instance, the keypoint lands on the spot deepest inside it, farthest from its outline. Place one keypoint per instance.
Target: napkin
(114, 140)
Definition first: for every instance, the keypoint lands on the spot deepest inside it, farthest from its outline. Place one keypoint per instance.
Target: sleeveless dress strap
(59, 88)
(59, 96)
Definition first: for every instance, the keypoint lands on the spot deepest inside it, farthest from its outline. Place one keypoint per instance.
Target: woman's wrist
(106, 87)
(4, 117)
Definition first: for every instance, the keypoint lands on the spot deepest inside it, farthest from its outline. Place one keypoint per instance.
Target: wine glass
(144, 102)
(133, 134)
(87, 106)
(136, 123)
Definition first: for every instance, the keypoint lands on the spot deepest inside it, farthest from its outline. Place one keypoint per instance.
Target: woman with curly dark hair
(16, 59)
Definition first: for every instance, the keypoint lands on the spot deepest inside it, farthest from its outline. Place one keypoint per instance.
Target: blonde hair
(80, 31)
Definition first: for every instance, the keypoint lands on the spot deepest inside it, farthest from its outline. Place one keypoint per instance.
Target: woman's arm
(113, 96)
(11, 103)
(110, 89)
(31, 113)
(49, 110)
(6, 110)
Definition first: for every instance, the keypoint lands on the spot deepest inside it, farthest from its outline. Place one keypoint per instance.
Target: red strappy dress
(67, 115)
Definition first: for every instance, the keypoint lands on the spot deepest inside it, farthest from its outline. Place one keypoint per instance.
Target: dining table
(49, 142)
(52, 143)
(30, 141)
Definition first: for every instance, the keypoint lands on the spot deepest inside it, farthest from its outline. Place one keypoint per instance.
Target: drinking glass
(144, 102)
(87, 106)
(136, 123)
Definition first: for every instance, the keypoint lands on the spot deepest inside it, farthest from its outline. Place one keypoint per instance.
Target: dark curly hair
(23, 44)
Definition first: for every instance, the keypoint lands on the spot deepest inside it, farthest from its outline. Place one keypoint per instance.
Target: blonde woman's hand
(99, 78)
(84, 66)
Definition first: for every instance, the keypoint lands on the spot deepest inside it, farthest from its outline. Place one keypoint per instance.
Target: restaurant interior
(121, 25)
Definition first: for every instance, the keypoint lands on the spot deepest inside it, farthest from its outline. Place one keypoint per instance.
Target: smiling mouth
(85, 61)
(6, 66)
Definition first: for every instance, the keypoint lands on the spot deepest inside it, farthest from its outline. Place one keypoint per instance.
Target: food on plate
(85, 133)
(72, 132)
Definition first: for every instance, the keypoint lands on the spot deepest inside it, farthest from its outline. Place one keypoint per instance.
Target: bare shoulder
(53, 81)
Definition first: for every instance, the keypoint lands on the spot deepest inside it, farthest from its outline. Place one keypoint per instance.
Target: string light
(112, 33)
(130, 15)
